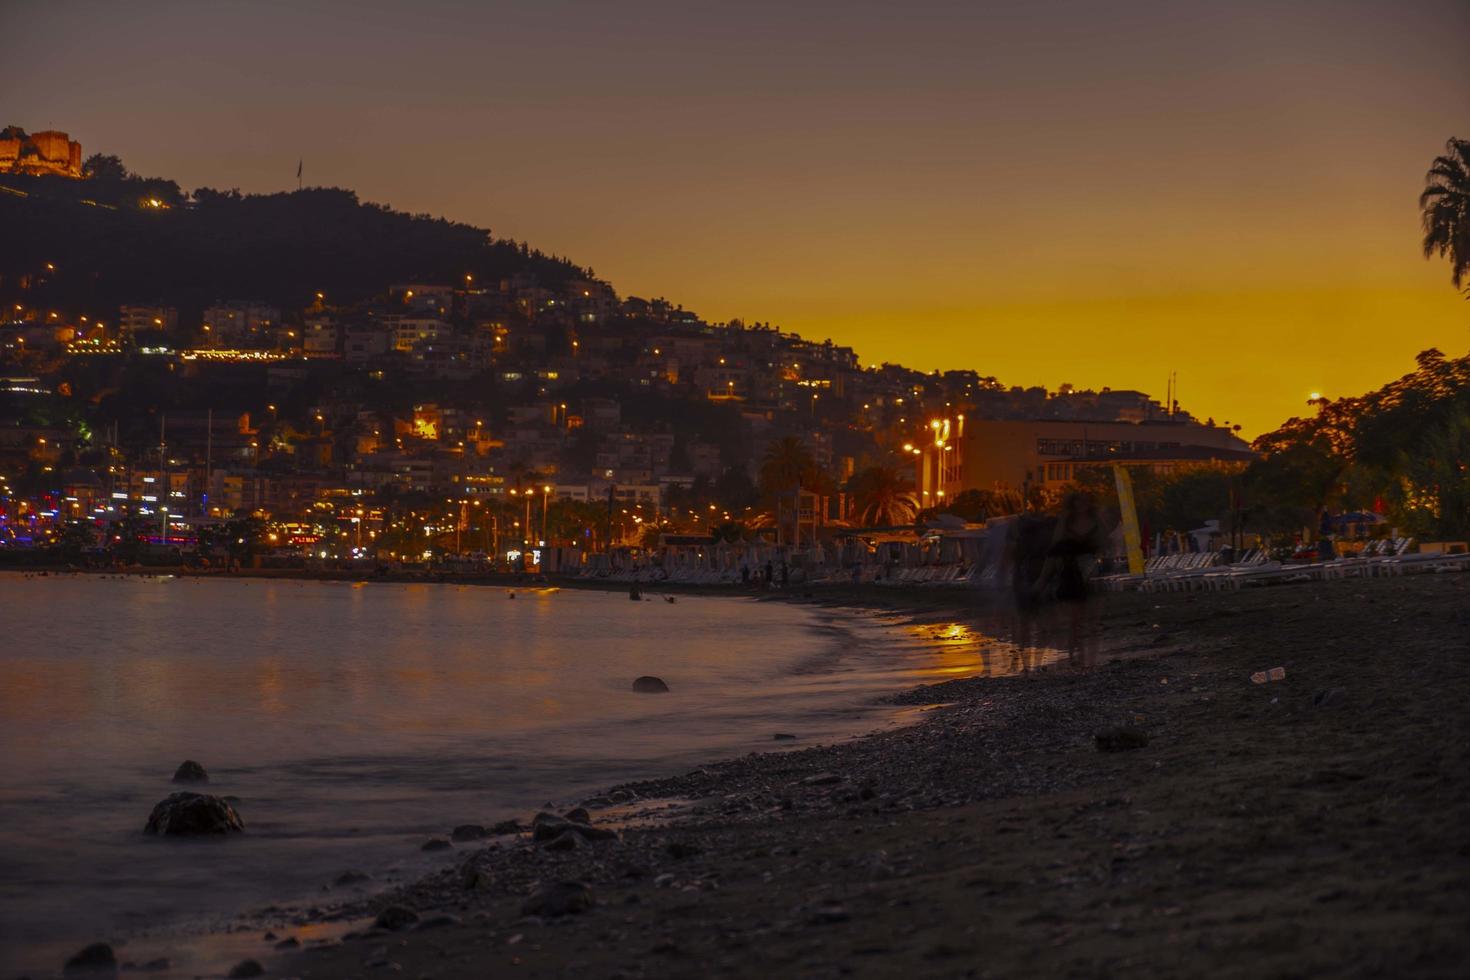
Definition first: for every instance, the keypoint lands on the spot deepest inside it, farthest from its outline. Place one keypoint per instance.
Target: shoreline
(1261, 829)
(1256, 832)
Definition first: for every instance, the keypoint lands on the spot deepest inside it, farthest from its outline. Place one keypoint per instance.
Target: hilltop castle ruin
(49, 152)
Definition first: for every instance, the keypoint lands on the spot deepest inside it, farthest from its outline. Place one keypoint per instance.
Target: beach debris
(1267, 676)
(648, 684)
(435, 844)
(558, 899)
(467, 831)
(783, 737)
(1122, 738)
(246, 968)
(185, 814)
(1327, 697)
(190, 771)
(96, 960)
(822, 779)
(396, 918)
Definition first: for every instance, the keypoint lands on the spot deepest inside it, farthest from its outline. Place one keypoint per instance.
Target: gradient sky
(1094, 193)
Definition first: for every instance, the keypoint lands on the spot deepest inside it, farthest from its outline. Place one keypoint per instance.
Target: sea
(354, 721)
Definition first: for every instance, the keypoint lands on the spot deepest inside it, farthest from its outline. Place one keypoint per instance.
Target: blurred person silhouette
(1076, 544)
(1030, 543)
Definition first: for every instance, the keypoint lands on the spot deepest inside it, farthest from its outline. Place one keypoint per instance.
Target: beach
(1314, 826)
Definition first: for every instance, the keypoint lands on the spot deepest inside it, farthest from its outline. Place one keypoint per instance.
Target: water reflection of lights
(956, 633)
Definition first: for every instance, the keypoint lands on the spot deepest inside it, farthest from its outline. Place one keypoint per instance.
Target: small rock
(1329, 697)
(548, 827)
(507, 827)
(435, 844)
(96, 960)
(347, 878)
(1121, 739)
(828, 913)
(156, 966)
(190, 771)
(291, 942)
(437, 921)
(650, 685)
(578, 815)
(473, 877)
(395, 918)
(567, 840)
(678, 850)
(545, 826)
(822, 779)
(246, 968)
(561, 898)
(193, 813)
(467, 831)
(783, 737)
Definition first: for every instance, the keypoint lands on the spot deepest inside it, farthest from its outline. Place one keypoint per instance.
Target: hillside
(137, 240)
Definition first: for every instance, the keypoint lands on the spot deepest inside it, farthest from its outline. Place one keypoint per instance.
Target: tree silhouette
(883, 496)
(1445, 206)
(101, 166)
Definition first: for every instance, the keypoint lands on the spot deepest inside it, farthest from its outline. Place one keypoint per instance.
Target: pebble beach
(1158, 815)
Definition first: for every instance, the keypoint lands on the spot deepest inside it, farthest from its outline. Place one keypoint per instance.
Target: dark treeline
(111, 243)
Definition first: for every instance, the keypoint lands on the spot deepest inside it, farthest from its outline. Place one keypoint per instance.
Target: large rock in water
(650, 685)
(190, 771)
(193, 814)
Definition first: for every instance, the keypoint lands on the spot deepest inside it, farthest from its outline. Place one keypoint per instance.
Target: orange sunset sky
(1046, 192)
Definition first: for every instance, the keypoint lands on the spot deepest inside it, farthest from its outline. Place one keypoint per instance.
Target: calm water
(354, 721)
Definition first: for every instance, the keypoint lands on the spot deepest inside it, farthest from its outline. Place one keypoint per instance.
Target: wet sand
(1317, 826)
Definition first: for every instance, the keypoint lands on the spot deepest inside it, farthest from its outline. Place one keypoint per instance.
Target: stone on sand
(558, 899)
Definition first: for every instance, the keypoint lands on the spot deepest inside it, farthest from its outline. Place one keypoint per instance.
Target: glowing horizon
(1046, 192)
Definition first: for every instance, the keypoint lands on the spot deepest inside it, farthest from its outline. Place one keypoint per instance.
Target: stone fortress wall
(48, 152)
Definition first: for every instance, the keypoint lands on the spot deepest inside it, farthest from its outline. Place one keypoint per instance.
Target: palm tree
(788, 465)
(883, 497)
(1445, 204)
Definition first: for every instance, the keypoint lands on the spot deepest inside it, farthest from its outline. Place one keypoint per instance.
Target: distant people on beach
(770, 574)
(744, 574)
(785, 574)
